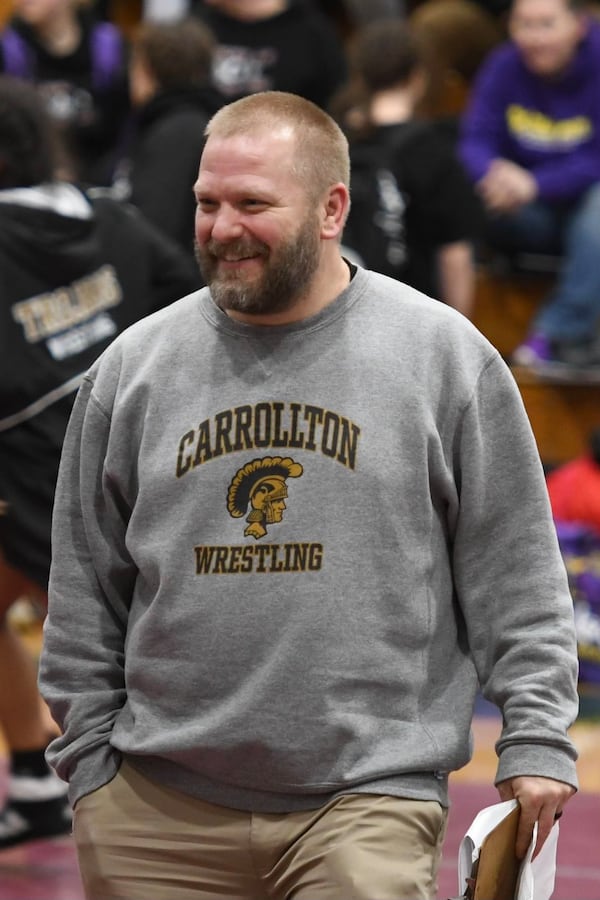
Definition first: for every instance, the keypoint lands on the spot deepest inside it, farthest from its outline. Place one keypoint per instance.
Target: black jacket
(74, 272)
(161, 166)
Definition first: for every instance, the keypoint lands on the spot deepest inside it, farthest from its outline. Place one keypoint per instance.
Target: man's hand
(541, 800)
(506, 186)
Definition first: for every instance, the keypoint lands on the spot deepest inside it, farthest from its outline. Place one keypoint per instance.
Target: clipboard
(487, 864)
(498, 867)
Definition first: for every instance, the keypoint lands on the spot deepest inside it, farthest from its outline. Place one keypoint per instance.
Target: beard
(286, 275)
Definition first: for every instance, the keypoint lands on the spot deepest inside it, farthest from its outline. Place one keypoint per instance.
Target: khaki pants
(139, 841)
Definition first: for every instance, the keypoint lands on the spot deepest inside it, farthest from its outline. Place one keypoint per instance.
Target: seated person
(531, 144)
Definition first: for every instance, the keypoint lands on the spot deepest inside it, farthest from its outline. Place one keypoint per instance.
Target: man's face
(547, 33)
(257, 234)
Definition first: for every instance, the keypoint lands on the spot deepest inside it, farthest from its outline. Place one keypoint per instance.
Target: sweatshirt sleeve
(512, 584)
(482, 129)
(91, 582)
(570, 175)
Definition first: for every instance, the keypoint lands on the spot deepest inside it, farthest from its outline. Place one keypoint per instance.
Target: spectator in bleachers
(172, 100)
(74, 272)
(426, 213)
(284, 45)
(531, 143)
(80, 67)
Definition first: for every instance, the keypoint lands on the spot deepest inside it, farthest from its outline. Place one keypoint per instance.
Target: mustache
(238, 248)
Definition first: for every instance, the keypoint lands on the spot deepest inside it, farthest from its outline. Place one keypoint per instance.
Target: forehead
(547, 9)
(260, 159)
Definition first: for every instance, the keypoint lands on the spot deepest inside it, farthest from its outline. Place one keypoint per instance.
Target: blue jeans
(572, 311)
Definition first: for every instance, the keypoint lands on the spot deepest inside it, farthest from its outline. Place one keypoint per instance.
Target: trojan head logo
(261, 487)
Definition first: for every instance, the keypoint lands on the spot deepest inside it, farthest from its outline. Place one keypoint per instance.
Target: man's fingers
(527, 820)
(545, 823)
(541, 800)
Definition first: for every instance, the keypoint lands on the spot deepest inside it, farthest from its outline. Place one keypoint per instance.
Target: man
(531, 143)
(275, 713)
(74, 272)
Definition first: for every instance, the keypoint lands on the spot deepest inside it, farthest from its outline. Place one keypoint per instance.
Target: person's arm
(456, 274)
(91, 583)
(512, 587)
(483, 134)
(569, 176)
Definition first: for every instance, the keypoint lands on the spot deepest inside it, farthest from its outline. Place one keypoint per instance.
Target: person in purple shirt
(530, 141)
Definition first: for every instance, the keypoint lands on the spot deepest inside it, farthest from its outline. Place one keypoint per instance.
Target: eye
(205, 204)
(253, 204)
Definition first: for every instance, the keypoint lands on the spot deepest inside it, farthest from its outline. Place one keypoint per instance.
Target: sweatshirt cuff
(537, 760)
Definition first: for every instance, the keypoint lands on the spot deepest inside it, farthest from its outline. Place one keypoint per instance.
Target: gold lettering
(296, 436)
(280, 438)
(331, 427)
(48, 314)
(243, 418)
(262, 425)
(183, 465)
(533, 127)
(262, 559)
(313, 415)
(348, 443)
(223, 422)
(204, 556)
(203, 451)
(265, 426)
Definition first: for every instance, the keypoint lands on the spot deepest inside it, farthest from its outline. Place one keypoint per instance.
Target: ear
(334, 211)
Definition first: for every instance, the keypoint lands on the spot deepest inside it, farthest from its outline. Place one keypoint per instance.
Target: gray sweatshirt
(284, 557)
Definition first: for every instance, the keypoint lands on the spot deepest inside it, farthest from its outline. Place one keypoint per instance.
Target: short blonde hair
(321, 157)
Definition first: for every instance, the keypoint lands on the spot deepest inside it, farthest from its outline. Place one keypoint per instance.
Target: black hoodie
(161, 163)
(74, 272)
(297, 50)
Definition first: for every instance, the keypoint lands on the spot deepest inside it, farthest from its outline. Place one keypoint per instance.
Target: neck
(60, 33)
(389, 107)
(332, 277)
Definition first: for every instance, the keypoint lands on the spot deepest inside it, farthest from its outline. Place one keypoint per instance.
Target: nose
(226, 224)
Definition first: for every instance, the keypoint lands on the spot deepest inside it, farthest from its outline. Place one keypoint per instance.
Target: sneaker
(35, 808)
(536, 350)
